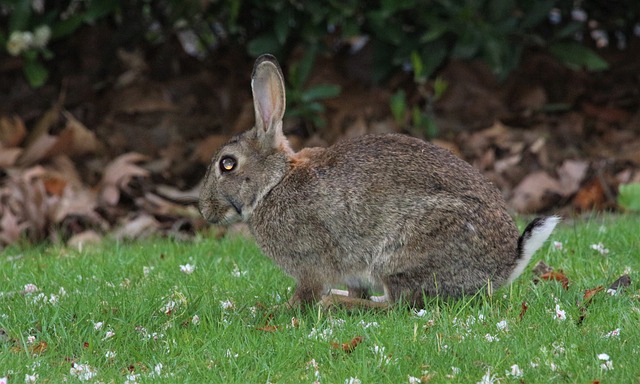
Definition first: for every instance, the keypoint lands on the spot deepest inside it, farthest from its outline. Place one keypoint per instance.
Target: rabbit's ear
(267, 84)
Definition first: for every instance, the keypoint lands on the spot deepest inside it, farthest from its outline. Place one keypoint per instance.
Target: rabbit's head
(245, 169)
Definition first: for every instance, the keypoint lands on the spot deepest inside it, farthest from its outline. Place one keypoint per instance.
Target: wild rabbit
(389, 212)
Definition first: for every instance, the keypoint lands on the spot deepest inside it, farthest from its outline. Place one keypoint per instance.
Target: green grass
(108, 284)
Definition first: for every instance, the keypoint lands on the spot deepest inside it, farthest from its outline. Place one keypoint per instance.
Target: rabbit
(386, 211)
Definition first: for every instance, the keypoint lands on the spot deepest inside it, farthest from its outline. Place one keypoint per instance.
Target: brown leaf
(589, 293)
(557, 276)
(9, 156)
(12, 131)
(621, 282)
(529, 196)
(350, 346)
(590, 196)
(523, 310)
(38, 349)
(268, 328)
(571, 174)
(541, 268)
(118, 174)
(295, 323)
(54, 186)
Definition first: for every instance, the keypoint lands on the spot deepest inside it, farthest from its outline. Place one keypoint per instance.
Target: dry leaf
(529, 195)
(589, 293)
(621, 282)
(571, 174)
(541, 268)
(118, 174)
(350, 346)
(140, 227)
(12, 131)
(523, 310)
(268, 328)
(38, 349)
(591, 196)
(557, 276)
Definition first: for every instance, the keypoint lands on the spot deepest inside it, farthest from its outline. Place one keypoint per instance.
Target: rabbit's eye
(227, 164)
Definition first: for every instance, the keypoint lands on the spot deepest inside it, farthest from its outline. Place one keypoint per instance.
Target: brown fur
(387, 212)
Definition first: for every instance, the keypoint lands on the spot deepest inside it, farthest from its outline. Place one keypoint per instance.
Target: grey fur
(387, 211)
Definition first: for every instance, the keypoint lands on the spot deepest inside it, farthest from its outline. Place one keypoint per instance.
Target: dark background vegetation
(110, 111)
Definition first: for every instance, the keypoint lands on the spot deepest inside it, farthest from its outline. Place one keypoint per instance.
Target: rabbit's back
(383, 208)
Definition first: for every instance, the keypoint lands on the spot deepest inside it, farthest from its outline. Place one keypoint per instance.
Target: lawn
(173, 311)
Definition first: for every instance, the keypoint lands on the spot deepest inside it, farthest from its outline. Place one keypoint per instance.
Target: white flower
(108, 335)
(41, 36)
(502, 325)
(600, 248)
(132, 378)
(31, 378)
(227, 304)
(318, 334)
(607, 364)
(515, 371)
(365, 325)
(18, 42)
(352, 380)
(381, 355)
(614, 333)
(30, 288)
(578, 14)
(456, 370)
(187, 268)
(110, 355)
(420, 313)
(488, 378)
(558, 245)
(31, 339)
(230, 354)
(560, 314)
(82, 372)
(157, 370)
(98, 326)
(237, 272)
(414, 380)
(147, 270)
(612, 292)
(195, 320)
(491, 338)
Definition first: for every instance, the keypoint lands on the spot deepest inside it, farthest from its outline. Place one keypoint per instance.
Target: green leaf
(36, 73)
(418, 68)
(281, 26)
(66, 27)
(576, 56)
(20, 16)
(629, 196)
(305, 65)
(266, 43)
(398, 105)
(320, 92)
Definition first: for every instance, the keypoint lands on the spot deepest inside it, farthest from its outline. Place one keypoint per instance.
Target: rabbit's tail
(531, 240)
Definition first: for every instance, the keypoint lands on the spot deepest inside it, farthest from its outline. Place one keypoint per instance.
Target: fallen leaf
(591, 196)
(118, 174)
(589, 293)
(531, 194)
(350, 346)
(268, 328)
(12, 131)
(571, 174)
(557, 276)
(621, 282)
(523, 310)
(541, 268)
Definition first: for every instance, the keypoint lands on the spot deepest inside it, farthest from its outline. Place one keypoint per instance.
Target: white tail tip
(536, 233)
